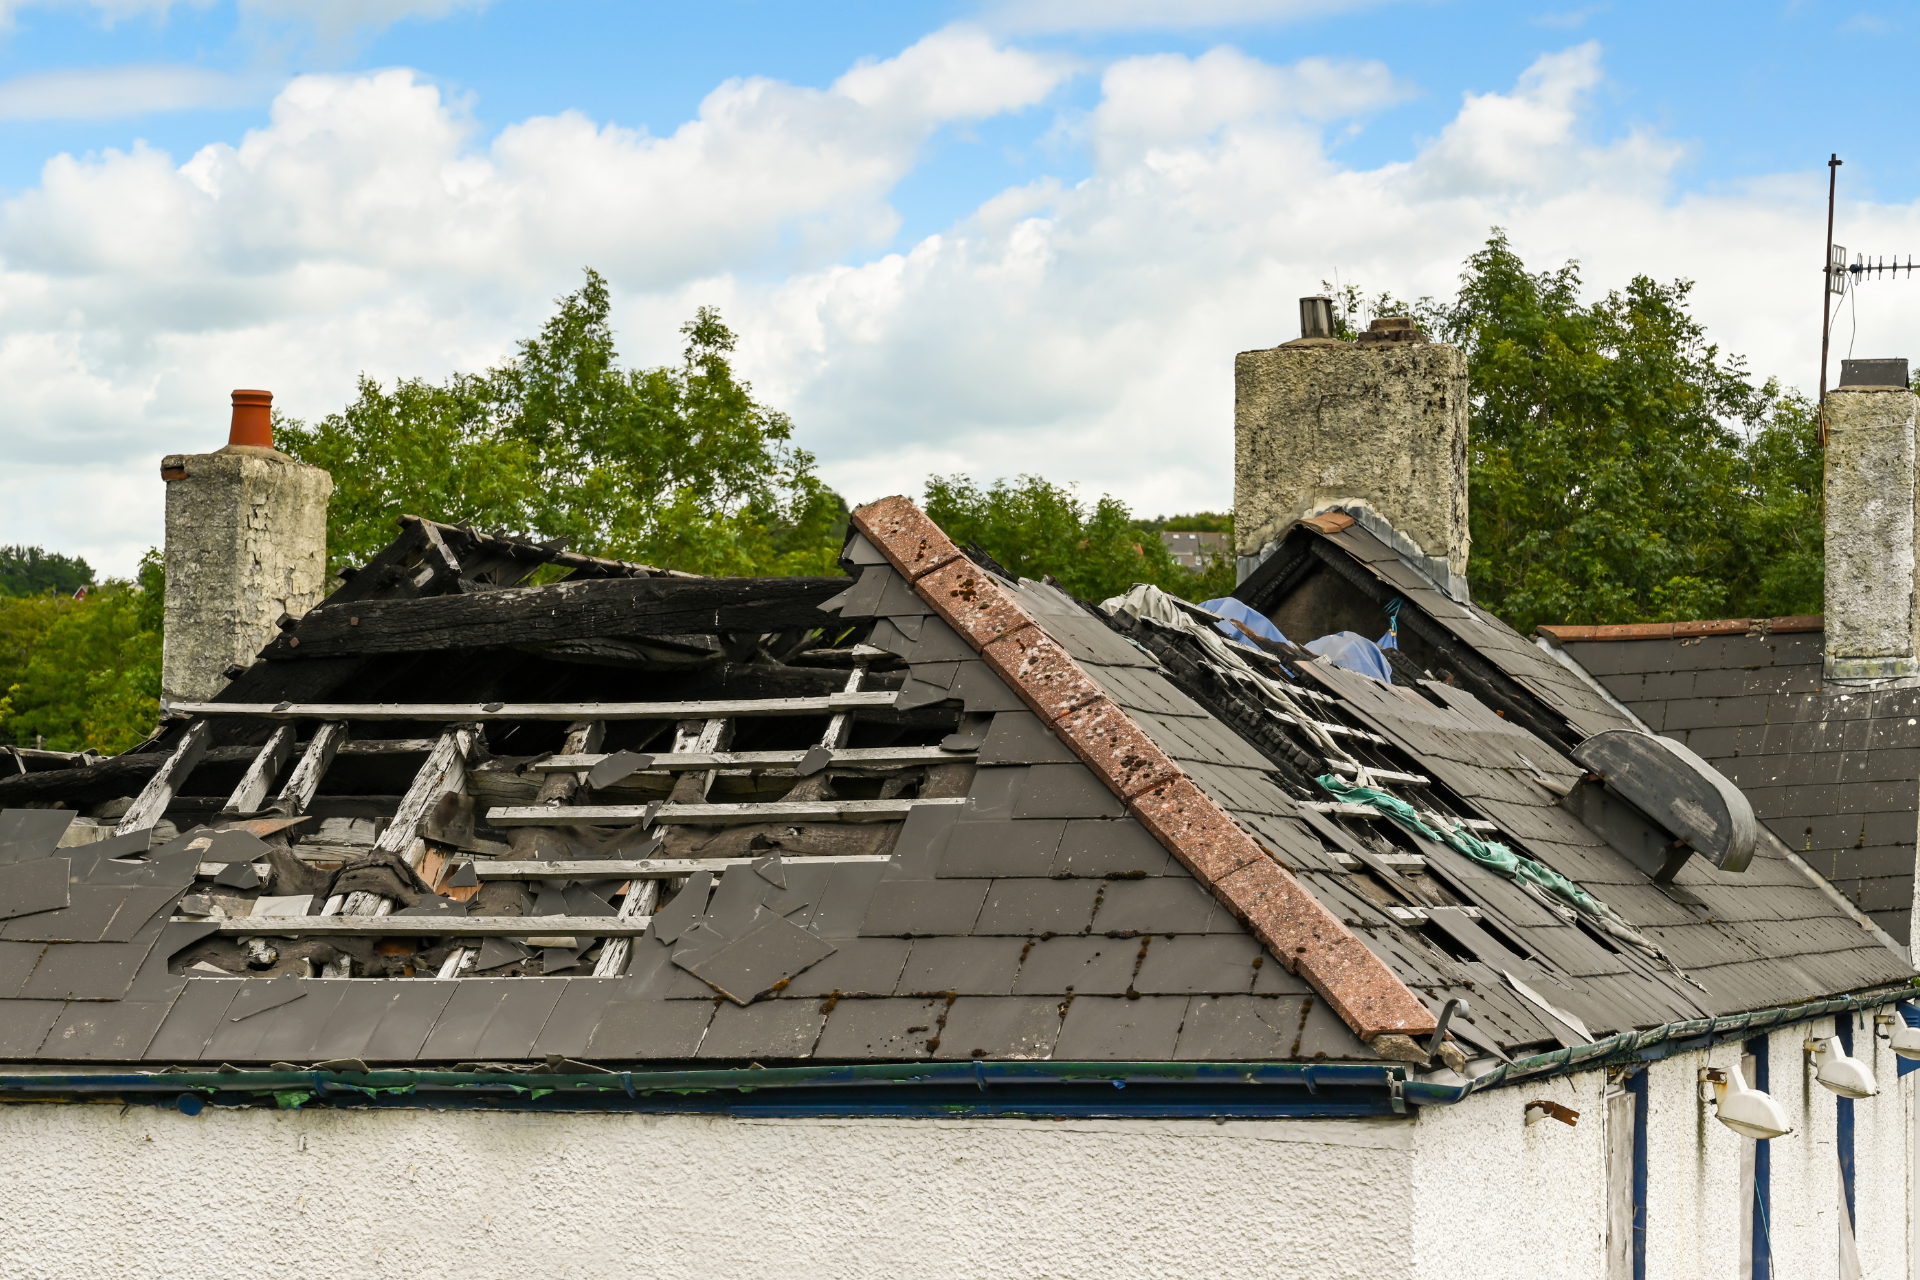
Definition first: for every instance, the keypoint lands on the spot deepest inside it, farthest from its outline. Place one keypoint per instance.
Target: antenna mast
(1831, 282)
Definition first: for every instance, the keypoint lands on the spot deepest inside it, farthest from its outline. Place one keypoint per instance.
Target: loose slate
(464, 877)
(27, 888)
(234, 846)
(435, 905)
(617, 766)
(770, 952)
(238, 875)
(27, 834)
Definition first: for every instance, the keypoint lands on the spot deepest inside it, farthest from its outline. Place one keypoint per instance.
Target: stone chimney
(1873, 609)
(1377, 428)
(246, 543)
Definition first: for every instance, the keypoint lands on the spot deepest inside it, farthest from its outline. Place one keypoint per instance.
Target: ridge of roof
(1287, 919)
(1682, 630)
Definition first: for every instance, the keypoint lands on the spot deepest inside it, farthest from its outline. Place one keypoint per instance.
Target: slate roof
(1833, 771)
(1073, 835)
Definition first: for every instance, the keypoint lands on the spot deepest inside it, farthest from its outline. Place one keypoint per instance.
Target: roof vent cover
(1677, 789)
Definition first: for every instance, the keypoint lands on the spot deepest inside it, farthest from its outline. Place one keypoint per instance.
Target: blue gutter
(1079, 1089)
(1137, 1090)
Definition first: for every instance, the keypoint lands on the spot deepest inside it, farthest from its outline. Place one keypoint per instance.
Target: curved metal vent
(1677, 789)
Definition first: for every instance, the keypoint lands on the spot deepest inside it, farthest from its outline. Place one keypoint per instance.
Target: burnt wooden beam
(560, 611)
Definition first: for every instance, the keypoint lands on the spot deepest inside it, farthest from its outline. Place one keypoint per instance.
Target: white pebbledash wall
(1465, 1191)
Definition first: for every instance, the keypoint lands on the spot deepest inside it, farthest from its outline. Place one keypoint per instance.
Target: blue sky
(1018, 237)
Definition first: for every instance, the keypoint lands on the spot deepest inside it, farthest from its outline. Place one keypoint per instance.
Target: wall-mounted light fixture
(1905, 1040)
(1739, 1106)
(1848, 1077)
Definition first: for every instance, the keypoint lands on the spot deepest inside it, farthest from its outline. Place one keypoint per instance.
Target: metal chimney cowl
(246, 544)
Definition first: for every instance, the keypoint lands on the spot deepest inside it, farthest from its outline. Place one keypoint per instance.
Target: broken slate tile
(463, 877)
(570, 1026)
(685, 907)
(234, 846)
(27, 834)
(582, 901)
(138, 908)
(30, 887)
(769, 952)
(616, 767)
(406, 1022)
(981, 689)
(495, 952)
(260, 995)
(515, 1025)
(238, 875)
(922, 839)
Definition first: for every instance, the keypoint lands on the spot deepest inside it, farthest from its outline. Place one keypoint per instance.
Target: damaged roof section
(920, 813)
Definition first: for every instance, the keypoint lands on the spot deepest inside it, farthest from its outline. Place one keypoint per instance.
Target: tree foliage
(677, 466)
(83, 673)
(1034, 527)
(1624, 469)
(28, 571)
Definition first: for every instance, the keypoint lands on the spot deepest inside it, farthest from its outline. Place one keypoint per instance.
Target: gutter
(979, 1089)
(1636, 1048)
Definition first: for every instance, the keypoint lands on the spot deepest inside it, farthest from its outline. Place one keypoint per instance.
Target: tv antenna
(1841, 276)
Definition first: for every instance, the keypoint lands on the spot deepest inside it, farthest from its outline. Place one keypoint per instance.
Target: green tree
(28, 571)
(84, 673)
(677, 466)
(1623, 468)
(1034, 527)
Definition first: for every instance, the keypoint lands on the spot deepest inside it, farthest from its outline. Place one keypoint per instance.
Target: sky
(985, 236)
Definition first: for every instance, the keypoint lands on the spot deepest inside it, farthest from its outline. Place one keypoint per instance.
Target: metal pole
(1826, 285)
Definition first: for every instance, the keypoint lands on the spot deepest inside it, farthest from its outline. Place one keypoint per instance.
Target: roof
(921, 814)
(1833, 770)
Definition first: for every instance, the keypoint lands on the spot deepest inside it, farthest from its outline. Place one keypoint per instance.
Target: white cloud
(1080, 330)
(1156, 15)
(330, 18)
(110, 92)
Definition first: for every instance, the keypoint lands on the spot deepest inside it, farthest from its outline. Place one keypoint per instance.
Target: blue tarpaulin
(1355, 652)
(1238, 611)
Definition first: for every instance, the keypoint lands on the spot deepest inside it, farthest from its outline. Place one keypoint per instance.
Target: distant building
(1195, 550)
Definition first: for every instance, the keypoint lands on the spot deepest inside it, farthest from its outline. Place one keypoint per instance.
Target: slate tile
(771, 951)
(918, 848)
(570, 1026)
(347, 1026)
(406, 1022)
(17, 960)
(100, 1031)
(92, 909)
(969, 966)
(1270, 978)
(1028, 907)
(843, 904)
(655, 1030)
(86, 970)
(999, 1027)
(1110, 1029)
(1325, 1036)
(1065, 791)
(196, 1014)
(980, 689)
(861, 966)
(1198, 965)
(514, 1030)
(1096, 966)
(24, 1025)
(456, 1032)
(905, 908)
(1110, 847)
(769, 1030)
(870, 1030)
(27, 888)
(27, 834)
(1020, 737)
(1243, 1028)
(999, 847)
(1168, 904)
(293, 1032)
(994, 791)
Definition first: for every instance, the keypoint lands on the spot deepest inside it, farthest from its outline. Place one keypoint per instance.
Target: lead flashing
(1287, 919)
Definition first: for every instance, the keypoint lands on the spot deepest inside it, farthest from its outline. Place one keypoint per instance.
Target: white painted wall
(89, 1191)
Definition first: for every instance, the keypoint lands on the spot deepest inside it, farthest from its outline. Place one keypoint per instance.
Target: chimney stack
(1377, 428)
(246, 544)
(1872, 608)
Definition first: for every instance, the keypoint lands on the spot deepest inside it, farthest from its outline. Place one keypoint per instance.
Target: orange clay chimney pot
(252, 419)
